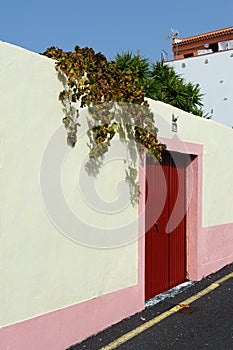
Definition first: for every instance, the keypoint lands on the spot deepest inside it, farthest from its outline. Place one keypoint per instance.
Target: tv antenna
(164, 56)
(174, 34)
(175, 38)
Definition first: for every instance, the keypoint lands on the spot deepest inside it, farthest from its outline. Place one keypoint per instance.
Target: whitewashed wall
(43, 269)
(214, 74)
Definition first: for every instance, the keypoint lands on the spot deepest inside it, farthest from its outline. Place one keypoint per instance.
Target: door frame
(193, 215)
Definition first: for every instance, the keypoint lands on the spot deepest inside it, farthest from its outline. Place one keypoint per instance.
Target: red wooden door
(165, 252)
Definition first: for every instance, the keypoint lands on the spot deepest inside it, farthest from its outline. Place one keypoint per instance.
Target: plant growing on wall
(100, 84)
(115, 93)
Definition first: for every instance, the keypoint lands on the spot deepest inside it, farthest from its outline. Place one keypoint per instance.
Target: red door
(165, 252)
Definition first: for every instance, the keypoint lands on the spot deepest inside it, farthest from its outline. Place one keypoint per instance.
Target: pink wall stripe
(62, 328)
(217, 250)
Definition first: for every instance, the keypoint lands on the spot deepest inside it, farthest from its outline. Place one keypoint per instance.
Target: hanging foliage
(100, 85)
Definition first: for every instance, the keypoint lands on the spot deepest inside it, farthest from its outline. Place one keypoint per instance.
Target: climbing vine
(113, 97)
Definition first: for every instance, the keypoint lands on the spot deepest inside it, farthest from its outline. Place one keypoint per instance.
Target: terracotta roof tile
(208, 35)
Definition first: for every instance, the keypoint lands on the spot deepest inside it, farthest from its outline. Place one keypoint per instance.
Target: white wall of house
(42, 268)
(213, 73)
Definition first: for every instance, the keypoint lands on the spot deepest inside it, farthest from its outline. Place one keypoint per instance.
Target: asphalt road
(206, 323)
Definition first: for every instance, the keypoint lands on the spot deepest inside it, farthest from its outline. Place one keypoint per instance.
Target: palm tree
(167, 86)
(132, 63)
(160, 82)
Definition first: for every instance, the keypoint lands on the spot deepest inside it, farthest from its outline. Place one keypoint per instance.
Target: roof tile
(208, 35)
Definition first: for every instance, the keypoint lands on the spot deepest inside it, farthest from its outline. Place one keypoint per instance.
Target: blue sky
(109, 26)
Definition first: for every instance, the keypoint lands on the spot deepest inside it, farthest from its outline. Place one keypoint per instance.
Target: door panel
(165, 206)
(176, 229)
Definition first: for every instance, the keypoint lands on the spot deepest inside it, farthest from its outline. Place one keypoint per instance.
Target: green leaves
(160, 82)
(98, 83)
(104, 132)
(165, 85)
(137, 65)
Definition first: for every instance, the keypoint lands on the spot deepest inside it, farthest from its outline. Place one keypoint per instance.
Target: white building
(207, 59)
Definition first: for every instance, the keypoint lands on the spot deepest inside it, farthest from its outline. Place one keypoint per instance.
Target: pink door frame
(209, 248)
(194, 207)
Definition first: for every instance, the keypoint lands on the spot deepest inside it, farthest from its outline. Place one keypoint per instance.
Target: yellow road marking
(127, 336)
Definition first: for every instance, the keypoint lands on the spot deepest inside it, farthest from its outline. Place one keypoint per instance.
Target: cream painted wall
(217, 158)
(42, 269)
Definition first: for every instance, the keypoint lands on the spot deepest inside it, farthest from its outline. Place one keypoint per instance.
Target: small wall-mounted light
(174, 122)
(183, 65)
(206, 61)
